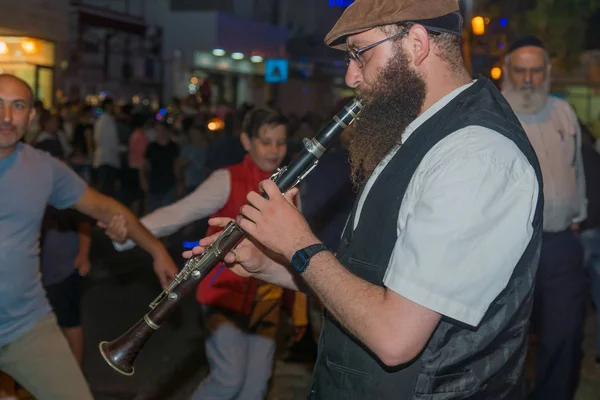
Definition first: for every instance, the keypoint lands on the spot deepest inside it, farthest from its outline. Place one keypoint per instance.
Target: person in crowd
(561, 288)
(33, 349)
(242, 314)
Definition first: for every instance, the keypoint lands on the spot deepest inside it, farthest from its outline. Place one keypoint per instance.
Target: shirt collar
(431, 111)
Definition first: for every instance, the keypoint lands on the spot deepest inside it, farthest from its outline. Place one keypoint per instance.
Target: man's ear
(32, 114)
(419, 46)
(246, 141)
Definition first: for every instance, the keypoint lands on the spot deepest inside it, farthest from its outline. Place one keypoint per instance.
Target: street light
(478, 26)
(496, 73)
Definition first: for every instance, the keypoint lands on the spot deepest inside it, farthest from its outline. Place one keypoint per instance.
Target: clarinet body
(122, 352)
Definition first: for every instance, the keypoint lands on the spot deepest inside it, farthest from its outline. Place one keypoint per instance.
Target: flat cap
(362, 15)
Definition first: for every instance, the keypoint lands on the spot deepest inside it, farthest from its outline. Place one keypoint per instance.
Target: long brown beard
(390, 106)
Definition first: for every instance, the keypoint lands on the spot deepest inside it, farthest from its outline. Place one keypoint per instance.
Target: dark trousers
(558, 316)
(107, 180)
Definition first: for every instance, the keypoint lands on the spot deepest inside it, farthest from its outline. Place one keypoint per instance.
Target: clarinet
(122, 352)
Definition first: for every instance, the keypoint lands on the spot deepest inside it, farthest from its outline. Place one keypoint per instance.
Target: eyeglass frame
(355, 55)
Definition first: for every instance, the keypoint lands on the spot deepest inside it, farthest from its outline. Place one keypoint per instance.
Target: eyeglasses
(356, 55)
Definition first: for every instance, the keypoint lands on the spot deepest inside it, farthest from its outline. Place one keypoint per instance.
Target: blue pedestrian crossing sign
(276, 70)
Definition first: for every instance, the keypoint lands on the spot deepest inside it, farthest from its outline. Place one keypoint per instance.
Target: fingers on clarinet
(290, 194)
(198, 250)
(207, 241)
(187, 254)
(219, 221)
(229, 258)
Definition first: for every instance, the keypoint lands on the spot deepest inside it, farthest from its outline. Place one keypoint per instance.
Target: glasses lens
(352, 55)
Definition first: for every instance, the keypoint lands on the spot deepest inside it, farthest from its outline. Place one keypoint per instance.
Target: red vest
(221, 287)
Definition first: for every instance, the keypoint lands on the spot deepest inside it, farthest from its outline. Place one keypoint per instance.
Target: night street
(172, 364)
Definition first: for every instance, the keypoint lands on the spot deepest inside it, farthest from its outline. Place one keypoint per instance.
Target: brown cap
(362, 15)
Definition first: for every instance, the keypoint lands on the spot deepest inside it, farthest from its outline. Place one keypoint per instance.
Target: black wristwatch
(302, 257)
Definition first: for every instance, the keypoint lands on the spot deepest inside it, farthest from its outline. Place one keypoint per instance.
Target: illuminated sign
(276, 70)
(340, 3)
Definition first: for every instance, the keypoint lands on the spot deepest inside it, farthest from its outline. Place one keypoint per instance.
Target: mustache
(527, 86)
(6, 126)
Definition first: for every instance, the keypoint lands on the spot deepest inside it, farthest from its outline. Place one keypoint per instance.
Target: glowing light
(28, 46)
(215, 124)
(218, 52)
(496, 73)
(478, 25)
(256, 59)
(194, 80)
(503, 22)
(3, 48)
(237, 56)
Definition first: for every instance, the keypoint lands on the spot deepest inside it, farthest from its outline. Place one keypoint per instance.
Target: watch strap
(302, 257)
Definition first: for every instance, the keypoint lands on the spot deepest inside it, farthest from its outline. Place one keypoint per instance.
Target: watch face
(299, 260)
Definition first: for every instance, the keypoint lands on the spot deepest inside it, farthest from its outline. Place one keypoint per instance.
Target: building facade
(34, 37)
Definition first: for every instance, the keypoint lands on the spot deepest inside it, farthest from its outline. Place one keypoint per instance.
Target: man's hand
(82, 264)
(116, 229)
(103, 208)
(164, 267)
(276, 222)
(245, 260)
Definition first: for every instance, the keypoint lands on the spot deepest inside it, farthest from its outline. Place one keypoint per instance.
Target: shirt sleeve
(471, 222)
(579, 173)
(67, 186)
(207, 199)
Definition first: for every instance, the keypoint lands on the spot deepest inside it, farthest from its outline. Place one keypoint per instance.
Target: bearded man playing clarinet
(430, 293)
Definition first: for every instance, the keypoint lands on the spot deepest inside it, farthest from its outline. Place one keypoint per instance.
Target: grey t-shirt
(29, 180)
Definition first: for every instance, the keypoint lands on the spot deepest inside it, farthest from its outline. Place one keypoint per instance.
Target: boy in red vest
(242, 314)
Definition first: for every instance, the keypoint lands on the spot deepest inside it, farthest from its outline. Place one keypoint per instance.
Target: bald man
(553, 130)
(32, 347)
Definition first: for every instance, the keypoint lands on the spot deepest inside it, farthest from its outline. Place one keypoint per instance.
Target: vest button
(346, 242)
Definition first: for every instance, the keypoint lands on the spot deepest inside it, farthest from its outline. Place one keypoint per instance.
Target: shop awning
(101, 18)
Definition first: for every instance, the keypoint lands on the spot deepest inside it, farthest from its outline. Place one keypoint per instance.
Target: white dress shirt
(106, 138)
(465, 220)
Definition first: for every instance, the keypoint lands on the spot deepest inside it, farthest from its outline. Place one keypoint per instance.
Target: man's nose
(6, 113)
(353, 75)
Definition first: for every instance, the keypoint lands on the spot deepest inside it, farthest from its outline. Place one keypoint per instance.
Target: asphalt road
(172, 364)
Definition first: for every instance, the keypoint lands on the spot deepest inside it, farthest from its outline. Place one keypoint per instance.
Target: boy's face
(268, 148)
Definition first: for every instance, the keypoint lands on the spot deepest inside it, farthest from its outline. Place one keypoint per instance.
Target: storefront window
(31, 60)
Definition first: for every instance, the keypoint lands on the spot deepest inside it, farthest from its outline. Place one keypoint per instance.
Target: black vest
(459, 362)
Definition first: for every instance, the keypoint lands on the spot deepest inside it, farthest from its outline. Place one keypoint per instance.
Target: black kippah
(525, 41)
